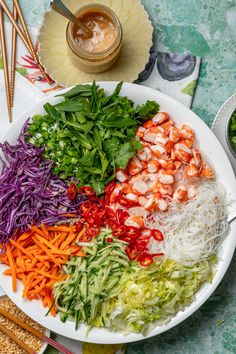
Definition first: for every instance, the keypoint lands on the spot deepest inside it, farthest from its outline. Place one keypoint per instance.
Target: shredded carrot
(36, 257)
(12, 266)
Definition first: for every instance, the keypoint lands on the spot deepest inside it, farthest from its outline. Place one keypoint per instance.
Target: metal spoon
(59, 7)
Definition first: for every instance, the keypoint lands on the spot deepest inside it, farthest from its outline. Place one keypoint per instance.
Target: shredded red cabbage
(29, 193)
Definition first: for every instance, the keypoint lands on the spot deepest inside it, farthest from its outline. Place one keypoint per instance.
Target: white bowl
(215, 153)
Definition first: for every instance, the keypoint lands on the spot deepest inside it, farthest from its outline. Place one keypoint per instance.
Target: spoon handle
(59, 7)
(231, 216)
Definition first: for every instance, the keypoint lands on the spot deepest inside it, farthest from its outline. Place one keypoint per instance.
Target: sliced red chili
(85, 207)
(87, 190)
(108, 190)
(132, 232)
(125, 202)
(157, 235)
(157, 254)
(113, 225)
(142, 245)
(85, 238)
(109, 239)
(132, 252)
(93, 230)
(90, 219)
(110, 214)
(121, 216)
(72, 191)
(145, 259)
(78, 226)
(119, 231)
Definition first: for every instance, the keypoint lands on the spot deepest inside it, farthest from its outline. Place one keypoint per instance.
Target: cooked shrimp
(166, 164)
(182, 152)
(174, 135)
(127, 188)
(197, 158)
(140, 132)
(158, 151)
(206, 171)
(161, 139)
(135, 166)
(165, 189)
(116, 192)
(151, 204)
(121, 175)
(187, 132)
(169, 146)
(144, 154)
(142, 200)
(138, 211)
(161, 117)
(148, 124)
(132, 197)
(192, 171)
(140, 187)
(165, 177)
(168, 125)
(181, 194)
(153, 166)
(135, 221)
(162, 204)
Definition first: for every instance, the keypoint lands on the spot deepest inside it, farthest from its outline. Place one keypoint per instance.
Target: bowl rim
(233, 152)
(228, 249)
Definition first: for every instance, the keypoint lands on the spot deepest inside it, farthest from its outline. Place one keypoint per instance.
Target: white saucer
(219, 126)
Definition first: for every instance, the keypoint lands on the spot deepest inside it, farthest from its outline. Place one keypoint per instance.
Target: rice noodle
(192, 230)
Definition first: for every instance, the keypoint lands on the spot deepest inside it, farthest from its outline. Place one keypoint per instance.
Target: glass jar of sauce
(99, 52)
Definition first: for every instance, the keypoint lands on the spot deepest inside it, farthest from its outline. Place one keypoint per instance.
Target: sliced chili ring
(132, 232)
(78, 226)
(93, 231)
(132, 252)
(72, 191)
(84, 207)
(145, 259)
(121, 216)
(87, 190)
(119, 231)
(157, 235)
(113, 225)
(85, 238)
(142, 245)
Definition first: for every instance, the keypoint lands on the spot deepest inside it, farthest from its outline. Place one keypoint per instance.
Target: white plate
(215, 153)
(219, 126)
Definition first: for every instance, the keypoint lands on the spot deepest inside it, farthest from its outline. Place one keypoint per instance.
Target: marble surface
(206, 28)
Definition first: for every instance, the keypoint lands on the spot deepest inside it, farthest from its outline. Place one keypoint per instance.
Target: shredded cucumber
(94, 279)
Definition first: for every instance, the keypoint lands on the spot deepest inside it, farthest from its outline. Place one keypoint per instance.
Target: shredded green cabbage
(152, 295)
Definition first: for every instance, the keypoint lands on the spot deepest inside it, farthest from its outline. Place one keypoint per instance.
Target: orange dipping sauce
(103, 29)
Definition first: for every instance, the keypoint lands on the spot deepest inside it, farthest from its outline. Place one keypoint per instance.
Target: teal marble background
(206, 28)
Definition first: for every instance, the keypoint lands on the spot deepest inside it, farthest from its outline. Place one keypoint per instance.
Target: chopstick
(21, 344)
(35, 332)
(26, 32)
(22, 35)
(13, 55)
(5, 63)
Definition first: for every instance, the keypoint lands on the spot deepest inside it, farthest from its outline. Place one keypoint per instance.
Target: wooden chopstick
(13, 55)
(35, 332)
(27, 36)
(21, 344)
(24, 40)
(5, 63)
